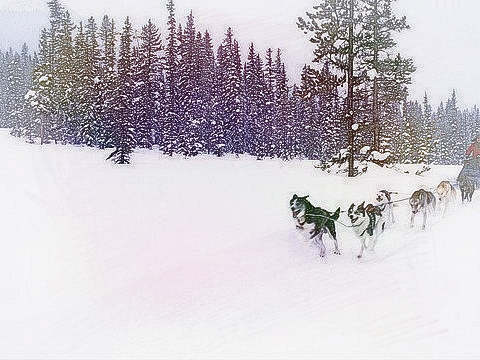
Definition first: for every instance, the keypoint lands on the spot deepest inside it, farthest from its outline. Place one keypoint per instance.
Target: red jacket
(473, 149)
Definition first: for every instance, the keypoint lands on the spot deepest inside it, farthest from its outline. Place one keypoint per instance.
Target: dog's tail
(336, 215)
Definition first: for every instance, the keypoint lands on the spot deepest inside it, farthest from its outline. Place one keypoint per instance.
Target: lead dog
(446, 194)
(322, 220)
(422, 201)
(368, 224)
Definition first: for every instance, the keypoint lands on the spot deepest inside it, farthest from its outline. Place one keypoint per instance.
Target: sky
(443, 39)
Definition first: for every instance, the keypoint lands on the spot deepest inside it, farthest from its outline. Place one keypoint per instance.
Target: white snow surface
(200, 259)
(376, 155)
(364, 150)
(372, 74)
(30, 94)
(43, 79)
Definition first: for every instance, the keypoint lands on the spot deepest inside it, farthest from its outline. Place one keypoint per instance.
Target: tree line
(103, 86)
(110, 86)
(441, 136)
(15, 81)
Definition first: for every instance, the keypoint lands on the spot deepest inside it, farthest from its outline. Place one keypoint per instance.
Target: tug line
(353, 226)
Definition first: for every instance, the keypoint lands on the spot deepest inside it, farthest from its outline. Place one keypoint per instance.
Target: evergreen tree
(66, 127)
(188, 81)
(268, 127)
(427, 140)
(310, 138)
(14, 89)
(124, 137)
(296, 120)
(377, 45)
(90, 126)
(229, 78)
(410, 150)
(80, 87)
(255, 104)
(170, 128)
(149, 87)
(40, 99)
(336, 28)
(107, 84)
(205, 110)
(282, 125)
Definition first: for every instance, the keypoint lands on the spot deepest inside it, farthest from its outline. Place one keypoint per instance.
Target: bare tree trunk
(351, 134)
(376, 115)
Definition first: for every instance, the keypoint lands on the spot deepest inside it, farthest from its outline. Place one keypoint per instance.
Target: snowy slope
(199, 258)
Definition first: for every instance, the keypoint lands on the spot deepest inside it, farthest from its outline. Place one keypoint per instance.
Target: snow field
(200, 258)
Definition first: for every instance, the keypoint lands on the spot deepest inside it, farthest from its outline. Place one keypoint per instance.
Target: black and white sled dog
(446, 195)
(368, 224)
(384, 202)
(322, 221)
(422, 201)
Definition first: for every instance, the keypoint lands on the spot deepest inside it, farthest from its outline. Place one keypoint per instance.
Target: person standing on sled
(474, 148)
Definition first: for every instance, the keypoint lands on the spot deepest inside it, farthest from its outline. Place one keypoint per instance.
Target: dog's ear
(362, 205)
(350, 209)
(295, 197)
(305, 197)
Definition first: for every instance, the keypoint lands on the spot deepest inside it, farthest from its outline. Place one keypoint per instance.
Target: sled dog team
(367, 221)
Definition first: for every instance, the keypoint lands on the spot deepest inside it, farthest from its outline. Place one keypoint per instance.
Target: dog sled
(469, 178)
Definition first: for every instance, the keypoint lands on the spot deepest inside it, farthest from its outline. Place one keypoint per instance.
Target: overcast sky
(443, 41)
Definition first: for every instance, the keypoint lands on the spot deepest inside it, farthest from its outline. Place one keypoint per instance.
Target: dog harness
(371, 212)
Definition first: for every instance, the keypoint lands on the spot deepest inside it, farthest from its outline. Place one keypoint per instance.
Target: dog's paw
(337, 252)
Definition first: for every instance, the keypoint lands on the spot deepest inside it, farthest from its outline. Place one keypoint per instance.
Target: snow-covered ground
(199, 258)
